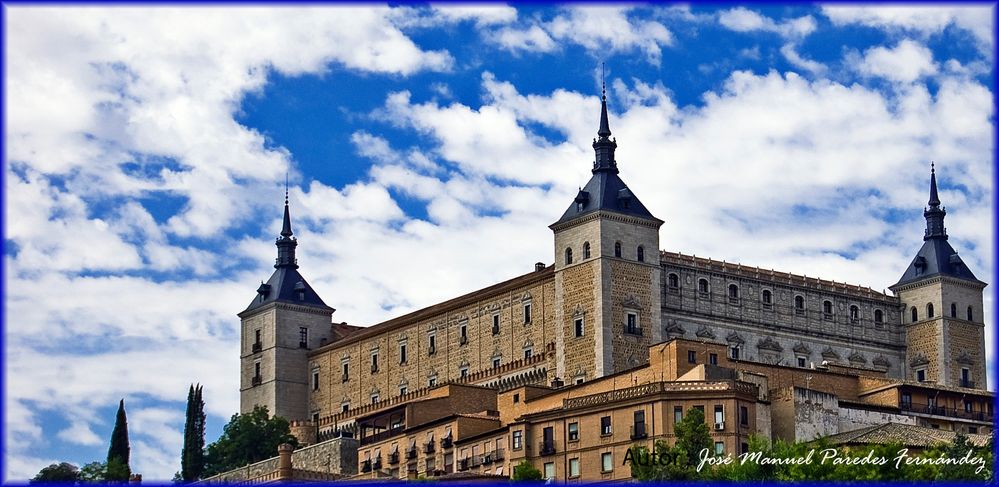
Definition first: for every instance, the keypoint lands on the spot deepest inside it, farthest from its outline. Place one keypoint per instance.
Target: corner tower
(607, 271)
(943, 312)
(284, 321)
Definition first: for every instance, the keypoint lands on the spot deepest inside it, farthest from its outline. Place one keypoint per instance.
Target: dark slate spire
(286, 243)
(604, 146)
(934, 214)
(936, 257)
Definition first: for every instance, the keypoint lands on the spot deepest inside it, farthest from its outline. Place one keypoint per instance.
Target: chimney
(557, 383)
(539, 266)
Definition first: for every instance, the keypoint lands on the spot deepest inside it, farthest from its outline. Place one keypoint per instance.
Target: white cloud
(741, 19)
(906, 62)
(922, 19)
(791, 54)
(598, 29)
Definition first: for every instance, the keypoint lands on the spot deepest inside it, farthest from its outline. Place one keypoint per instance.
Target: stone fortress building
(610, 297)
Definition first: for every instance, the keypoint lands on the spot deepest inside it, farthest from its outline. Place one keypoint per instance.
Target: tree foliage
(94, 472)
(57, 472)
(677, 462)
(525, 471)
(118, 452)
(192, 460)
(246, 439)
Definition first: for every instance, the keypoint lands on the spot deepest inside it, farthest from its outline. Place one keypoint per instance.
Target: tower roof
(286, 284)
(605, 189)
(936, 257)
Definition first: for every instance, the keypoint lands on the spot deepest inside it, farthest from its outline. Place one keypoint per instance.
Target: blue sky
(428, 148)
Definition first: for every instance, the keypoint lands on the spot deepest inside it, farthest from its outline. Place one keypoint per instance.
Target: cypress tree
(192, 456)
(118, 468)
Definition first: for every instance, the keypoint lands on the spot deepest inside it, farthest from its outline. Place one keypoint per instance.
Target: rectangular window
(433, 344)
(256, 370)
(605, 425)
(921, 375)
(496, 321)
(631, 326)
(315, 380)
(432, 381)
(573, 431)
(463, 371)
(713, 359)
(719, 414)
(734, 352)
(606, 462)
(496, 362)
(906, 399)
(463, 331)
(677, 414)
(344, 407)
(315, 418)
(256, 334)
(573, 467)
(549, 470)
(374, 398)
(402, 353)
(744, 415)
(967, 406)
(518, 439)
(719, 448)
(527, 314)
(303, 337)
(527, 353)
(579, 327)
(374, 362)
(691, 356)
(346, 371)
(801, 362)
(403, 390)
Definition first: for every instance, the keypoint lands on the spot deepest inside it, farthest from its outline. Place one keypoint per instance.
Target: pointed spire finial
(604, 130)
(934, 197)
(286, 225)
(603, 81)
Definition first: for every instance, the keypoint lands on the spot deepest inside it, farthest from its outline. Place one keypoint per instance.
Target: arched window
(733, 291)
(915, 314)
(768, 297)
(929, 310)
(586, 250)
(854, 314)
(799, 305)
(971, 316)
(641, 253)
(953, 310)
(617, 249)
(702, 286)
(827, 310)
(879, 316)
(673, 281)
(568, 255)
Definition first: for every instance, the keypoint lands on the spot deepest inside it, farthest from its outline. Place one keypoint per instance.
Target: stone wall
(851, 418)
(803, 414)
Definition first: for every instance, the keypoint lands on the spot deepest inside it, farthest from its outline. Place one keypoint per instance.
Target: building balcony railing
(546, 448)
(499, 454)
(257, 347)
(943, 411)
(256, 380)
(377, 464)
(411, 454)
(638, 431)
(447, 442)
(429, 448)
(633, 330)
(380, 436)
(462, 464)
(967, 383)
(393, 458)
(366, 466)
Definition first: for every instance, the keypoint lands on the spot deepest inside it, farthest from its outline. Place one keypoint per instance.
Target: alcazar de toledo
(569, 365)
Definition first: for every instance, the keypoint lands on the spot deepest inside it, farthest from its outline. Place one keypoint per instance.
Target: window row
(639, 252)
(914, 312)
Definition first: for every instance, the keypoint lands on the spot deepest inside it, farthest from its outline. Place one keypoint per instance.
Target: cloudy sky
(428, 149)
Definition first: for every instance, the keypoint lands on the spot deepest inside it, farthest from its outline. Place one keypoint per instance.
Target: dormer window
(300, 290)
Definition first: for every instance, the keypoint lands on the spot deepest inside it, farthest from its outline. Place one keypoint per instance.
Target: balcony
(967, 383)
(381, 436)
(546, 448)
(257, 347)
(446, 443)
(377, 465)
(256, 380)
(411, 454)
(429, 448)
(487, 459)
(638, 431)
(463, 464)
(499, 454)
(935, 410)
(633, 330)
(393, 458)
(366, 466)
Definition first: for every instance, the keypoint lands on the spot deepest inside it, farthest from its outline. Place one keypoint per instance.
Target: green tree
(246, 439)
(57, 472)
(525, 471)
(677, 462)
(93, 472)
(118, 452)
(692, 434)
(192, 456)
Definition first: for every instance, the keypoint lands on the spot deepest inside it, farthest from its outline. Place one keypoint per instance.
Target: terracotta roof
(904, 434)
